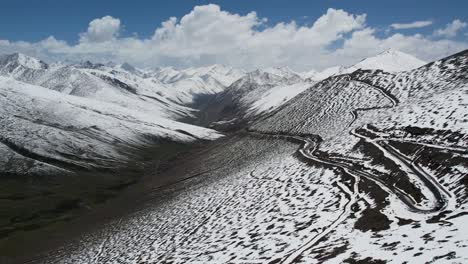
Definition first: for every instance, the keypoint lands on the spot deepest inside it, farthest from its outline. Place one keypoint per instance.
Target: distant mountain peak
(280, 70)
(128, 67)
(271, 76)
(19, 59)
(390, 60)
(90, 65)
(219, 67)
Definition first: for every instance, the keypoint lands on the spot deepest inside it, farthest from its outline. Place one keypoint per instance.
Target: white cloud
(451, 30)
(101, 29)
(210, 35)
(416, 24)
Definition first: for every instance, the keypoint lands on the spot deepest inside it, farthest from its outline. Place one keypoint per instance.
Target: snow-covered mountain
(223, 74)
(332, 71)
(256, 93)
(405, 134)
(165, 91)
(182, 86)
(262, 91)
(364, 167)
(366, 163)
(223, 95)
(19, 62)
(54, 115)
(390, 61)
(42, 129)
(284, 72)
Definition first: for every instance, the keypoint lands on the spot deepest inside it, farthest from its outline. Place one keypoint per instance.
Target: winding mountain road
(442, 198)
(309, 149)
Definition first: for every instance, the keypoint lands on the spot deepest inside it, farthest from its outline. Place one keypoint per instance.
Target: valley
(217, 165)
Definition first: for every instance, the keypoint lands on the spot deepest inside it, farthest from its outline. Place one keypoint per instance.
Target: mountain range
(354, 164)
(90, 100)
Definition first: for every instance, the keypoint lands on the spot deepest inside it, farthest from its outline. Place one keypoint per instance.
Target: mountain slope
(78, 131)
(94, 81)
(257, 93)
(74, 136)
(404, 132)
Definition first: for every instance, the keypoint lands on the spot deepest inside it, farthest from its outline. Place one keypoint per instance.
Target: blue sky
(32, 20)
(36, 20)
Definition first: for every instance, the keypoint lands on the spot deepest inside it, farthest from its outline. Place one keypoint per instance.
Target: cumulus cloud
(208, 35)
(211, 35)
(451, 30)
(101, 29)
(415, 24)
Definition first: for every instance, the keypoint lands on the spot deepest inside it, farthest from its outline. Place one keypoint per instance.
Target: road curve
(309, 150)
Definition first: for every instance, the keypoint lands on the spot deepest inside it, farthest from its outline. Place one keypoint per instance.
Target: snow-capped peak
(168, 75)
(19, 59)
(260, 76)
(390, 60)
(215, 68)
(269, 76)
